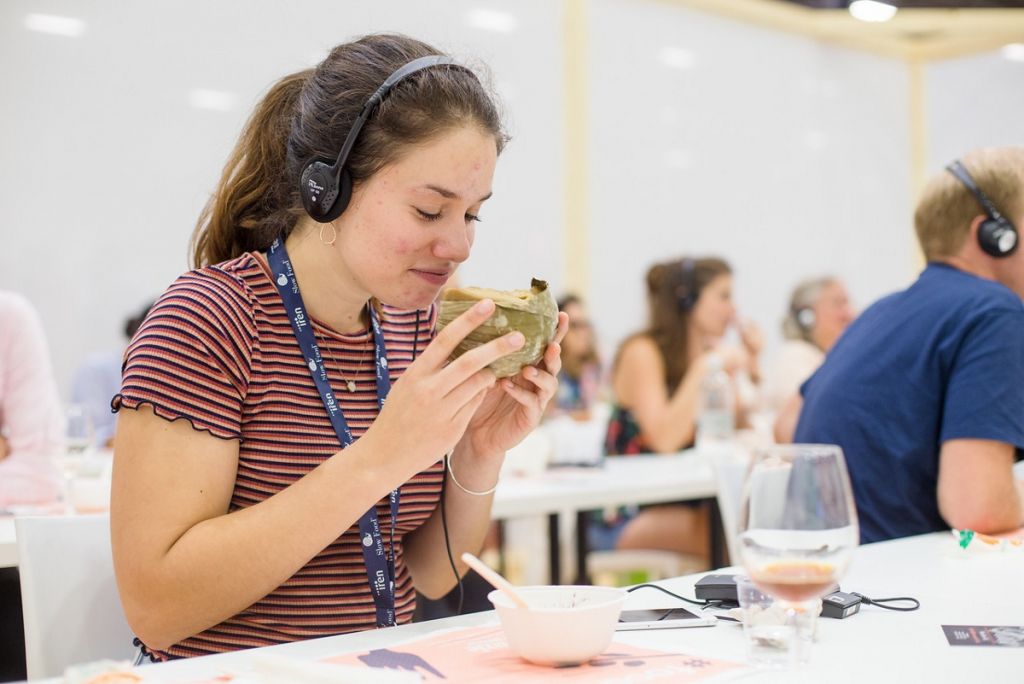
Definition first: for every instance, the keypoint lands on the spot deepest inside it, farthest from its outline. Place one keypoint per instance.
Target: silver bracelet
(448, 462)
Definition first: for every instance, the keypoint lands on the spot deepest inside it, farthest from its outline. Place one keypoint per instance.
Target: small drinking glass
(79, 436)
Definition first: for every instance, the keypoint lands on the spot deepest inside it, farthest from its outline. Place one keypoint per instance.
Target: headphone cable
(444, 489)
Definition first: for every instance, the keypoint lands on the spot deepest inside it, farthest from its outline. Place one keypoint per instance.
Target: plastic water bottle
(716, 416)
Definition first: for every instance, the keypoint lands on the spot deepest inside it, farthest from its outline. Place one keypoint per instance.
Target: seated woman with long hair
(656, 382)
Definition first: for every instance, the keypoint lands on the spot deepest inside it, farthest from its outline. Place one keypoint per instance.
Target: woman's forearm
(468, 518)
(176, 584)
(677, 426)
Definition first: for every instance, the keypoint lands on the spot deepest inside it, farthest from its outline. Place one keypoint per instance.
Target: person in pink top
(31, 420)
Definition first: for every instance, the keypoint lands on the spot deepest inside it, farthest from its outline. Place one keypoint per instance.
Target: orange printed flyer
(481, 654)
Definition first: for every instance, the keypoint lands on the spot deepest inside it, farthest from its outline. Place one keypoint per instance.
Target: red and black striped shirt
(217, 349)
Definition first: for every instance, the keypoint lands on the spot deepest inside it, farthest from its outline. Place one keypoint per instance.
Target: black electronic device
(716, 588)
(326, 187)
(997, 236)
(721, 589)
(839, 605)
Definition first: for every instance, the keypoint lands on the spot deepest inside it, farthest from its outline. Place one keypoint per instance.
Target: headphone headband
(686, 291)
(326, 190)
(997, 235)
(375, 99)
(963, 175)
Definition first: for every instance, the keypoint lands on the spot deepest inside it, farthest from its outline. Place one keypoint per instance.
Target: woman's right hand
(429, 407)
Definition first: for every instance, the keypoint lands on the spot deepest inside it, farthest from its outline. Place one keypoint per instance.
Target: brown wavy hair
(669, 284)
(306, 116)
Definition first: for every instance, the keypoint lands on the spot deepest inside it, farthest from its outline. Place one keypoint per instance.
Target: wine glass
(798, 525)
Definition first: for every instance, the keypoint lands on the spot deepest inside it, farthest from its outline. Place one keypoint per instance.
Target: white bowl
(564, 625)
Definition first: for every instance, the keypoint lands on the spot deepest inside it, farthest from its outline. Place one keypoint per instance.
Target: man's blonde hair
(944, 213)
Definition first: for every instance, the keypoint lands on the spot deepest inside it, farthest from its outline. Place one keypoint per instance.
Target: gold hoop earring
(334, 234)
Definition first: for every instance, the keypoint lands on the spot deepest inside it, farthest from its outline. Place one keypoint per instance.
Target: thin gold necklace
(350, 384)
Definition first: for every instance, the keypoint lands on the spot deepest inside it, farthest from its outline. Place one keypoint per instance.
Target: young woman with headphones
(656, 381)
(264, 492)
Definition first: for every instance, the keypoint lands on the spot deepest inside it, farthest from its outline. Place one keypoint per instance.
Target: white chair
(730, 471)
(69, 596)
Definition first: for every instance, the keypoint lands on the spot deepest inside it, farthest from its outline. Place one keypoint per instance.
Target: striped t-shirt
(217, 349)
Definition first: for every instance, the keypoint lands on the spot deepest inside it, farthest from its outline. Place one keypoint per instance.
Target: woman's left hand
(514, 406)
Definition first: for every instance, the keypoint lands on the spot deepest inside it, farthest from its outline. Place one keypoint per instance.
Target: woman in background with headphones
(263, 491)
(819, 311)
(656, 382)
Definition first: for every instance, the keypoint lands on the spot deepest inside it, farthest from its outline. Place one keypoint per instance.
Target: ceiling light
(217, 100)
(1013, 52)
(53, 24)
(492, 20)
(677, 58)
(872, 10)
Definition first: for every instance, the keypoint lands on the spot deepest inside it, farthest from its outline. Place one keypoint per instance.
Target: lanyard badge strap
(380, 566)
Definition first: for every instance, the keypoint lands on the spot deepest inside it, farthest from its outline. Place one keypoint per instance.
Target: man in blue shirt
(925, 391)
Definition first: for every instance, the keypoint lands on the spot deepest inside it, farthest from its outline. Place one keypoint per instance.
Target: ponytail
(253, 203)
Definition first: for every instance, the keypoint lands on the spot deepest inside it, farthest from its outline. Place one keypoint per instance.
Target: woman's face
(579, 340)
(714, 308)
(412, 223)
(832, 313)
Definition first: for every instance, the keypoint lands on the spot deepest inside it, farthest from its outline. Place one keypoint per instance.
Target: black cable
(666, 591)
(444, 488)
(447, 542)
(881, 601)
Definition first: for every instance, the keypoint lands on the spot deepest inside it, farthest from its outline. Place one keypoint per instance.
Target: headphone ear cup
(685, 298)
(997, 237)
(344, 195)
(806, 318)
(319, 191)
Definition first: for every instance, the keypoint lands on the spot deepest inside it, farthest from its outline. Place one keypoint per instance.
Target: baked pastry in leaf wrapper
(532, 312)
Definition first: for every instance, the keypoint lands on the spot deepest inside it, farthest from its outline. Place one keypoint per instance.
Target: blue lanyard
(380, 567)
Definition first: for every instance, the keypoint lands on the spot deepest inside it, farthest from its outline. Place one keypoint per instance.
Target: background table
(622, 480)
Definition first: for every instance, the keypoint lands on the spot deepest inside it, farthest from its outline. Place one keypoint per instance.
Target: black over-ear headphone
(997, 235)
(326, 188)
(686, 291)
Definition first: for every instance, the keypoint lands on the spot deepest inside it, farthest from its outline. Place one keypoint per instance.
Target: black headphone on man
(326, 188)
(997, 235)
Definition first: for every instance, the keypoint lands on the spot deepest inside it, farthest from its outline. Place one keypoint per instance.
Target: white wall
(787, 156)
(975, 101)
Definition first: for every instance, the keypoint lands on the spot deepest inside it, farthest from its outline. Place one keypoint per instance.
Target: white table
(621, 480)
(874, 646)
